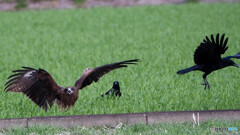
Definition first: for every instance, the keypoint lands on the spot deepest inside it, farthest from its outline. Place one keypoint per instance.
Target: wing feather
(17, 74)
(38, 85)
(225, 44)
(90, 75)
(217, 39)
(210, 50)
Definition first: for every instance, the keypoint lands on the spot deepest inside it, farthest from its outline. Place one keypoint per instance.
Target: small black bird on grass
(207, 57)
(114, 91)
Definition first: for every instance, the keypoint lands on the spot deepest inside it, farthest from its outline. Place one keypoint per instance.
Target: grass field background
(65, 42)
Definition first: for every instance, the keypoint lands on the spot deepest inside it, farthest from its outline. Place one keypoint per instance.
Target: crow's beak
(236, 65)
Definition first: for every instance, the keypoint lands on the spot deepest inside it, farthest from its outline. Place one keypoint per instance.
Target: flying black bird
(40, 87)
(114, 91)
(207, 57)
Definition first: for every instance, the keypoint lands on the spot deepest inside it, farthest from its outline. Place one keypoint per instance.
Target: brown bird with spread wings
(40, 87)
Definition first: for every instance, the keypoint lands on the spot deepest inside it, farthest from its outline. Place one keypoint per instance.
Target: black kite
(40, 87)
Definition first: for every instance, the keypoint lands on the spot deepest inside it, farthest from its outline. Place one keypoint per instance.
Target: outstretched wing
(237, 56)
(210, 50)
(38, 85)
(90, 75)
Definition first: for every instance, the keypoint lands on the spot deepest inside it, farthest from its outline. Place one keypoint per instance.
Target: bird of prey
(207, 57)
(41, 88)
(114, 91)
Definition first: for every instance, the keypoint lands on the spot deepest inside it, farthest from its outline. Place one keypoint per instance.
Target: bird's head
(69, 90)
(116, 85)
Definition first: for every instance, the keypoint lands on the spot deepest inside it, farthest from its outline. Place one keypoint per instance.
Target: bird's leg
(205, 82)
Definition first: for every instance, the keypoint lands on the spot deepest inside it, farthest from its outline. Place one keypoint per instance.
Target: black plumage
(114, 91)
(207, 57)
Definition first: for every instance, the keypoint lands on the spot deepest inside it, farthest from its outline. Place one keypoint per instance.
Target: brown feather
(38, 85)
(90, 75)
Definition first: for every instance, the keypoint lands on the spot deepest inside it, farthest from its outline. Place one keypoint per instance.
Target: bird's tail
(184, 71)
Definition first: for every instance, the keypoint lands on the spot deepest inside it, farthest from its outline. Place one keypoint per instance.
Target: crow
(114, 91)
(207, 57)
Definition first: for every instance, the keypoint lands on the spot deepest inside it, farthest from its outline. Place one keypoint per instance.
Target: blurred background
(10, 5)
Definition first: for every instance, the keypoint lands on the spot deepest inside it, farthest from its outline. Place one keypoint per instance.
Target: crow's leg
(206, 84)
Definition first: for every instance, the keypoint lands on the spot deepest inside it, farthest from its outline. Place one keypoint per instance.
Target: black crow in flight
(207, 57)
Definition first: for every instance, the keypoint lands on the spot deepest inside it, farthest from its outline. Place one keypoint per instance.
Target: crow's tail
(184, 71)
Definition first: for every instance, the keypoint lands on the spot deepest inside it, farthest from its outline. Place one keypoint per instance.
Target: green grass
(163, 128)
(65, 42)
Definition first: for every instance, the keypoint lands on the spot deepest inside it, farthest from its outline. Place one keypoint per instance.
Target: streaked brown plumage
(40, 87)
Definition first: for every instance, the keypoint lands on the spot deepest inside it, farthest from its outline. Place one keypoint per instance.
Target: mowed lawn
(164, 38)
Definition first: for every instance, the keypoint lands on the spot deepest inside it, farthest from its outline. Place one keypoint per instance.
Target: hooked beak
(236, 65)
(69, 92)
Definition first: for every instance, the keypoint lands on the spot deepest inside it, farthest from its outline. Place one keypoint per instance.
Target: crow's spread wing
(108, 92)
(237, 56)
(210, 50)
(38, 85)
(90, 75)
